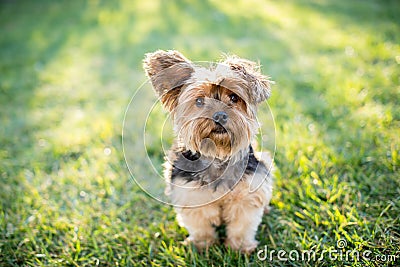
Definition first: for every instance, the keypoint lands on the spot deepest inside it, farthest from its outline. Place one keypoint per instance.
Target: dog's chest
(214, 173)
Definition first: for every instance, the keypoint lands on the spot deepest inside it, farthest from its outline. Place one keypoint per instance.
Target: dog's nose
(220, 117)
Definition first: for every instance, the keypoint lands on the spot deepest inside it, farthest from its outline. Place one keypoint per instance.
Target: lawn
(68, 70)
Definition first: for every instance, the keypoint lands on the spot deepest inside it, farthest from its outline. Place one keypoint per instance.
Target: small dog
(213, 175)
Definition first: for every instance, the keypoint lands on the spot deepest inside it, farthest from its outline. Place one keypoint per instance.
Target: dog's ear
(168, 72)
(251, 73)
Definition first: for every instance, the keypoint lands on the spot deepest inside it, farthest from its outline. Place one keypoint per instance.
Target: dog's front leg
(242, 213)
(200, 223)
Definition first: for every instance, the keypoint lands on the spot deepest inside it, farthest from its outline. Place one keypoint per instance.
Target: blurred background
(69, 68)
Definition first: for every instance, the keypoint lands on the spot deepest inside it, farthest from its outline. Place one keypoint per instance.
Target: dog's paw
(200, 244)
(245, 247)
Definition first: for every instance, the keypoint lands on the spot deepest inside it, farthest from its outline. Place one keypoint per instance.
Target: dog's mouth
(219, 129)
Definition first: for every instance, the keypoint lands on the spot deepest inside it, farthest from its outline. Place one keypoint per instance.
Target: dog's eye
(200, 101)
(234, 98)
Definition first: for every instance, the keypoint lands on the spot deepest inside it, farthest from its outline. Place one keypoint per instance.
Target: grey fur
(210, 172)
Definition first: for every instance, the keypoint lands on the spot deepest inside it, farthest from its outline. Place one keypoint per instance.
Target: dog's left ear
(168, 72)
(251, 73)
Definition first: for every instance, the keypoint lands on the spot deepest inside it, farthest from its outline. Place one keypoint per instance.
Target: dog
(213, 175)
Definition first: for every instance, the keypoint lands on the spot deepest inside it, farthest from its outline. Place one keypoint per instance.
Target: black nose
(220, 117)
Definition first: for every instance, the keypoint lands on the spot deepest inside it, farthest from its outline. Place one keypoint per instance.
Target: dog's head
(214, 108)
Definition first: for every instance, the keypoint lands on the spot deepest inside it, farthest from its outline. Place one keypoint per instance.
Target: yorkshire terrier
(213, 175)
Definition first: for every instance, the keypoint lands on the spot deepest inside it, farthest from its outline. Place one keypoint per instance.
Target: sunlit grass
(68, 70)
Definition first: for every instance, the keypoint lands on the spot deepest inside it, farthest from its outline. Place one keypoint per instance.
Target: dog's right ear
(168, 72)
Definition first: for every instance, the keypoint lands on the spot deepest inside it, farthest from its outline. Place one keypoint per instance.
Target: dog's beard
(215, 140)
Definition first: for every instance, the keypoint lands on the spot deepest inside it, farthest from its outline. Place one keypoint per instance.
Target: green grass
(69, 68)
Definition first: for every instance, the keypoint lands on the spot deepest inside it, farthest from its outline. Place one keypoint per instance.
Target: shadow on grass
(25, 50)
(370, 16)
(28, 44)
